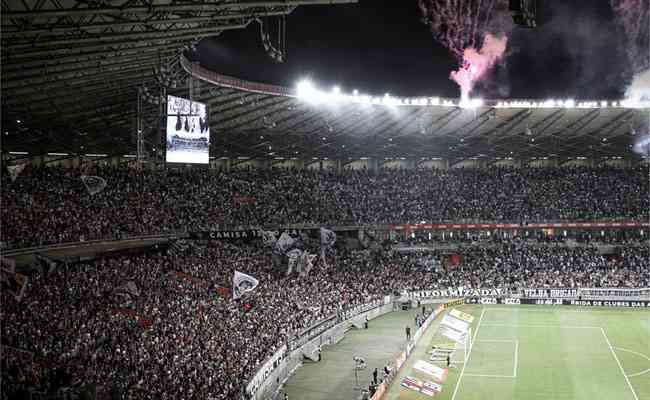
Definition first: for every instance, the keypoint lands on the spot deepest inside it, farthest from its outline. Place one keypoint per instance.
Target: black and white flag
(94, 184)
(305, 263)
(268, 238)
(327, 237)
(15, 170)
(293, 257)
(242, 283)
(327, 240)
(284, 243)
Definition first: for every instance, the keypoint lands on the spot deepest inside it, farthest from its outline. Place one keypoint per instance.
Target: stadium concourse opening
(393, 200)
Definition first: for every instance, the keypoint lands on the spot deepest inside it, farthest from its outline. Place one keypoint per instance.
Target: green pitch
(546, 353)
(519, 353)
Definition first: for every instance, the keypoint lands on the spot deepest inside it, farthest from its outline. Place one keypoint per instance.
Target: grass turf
(550, 353)
(527, 352)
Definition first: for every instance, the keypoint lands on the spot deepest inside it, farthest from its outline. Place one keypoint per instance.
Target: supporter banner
(624, 224)
(228, 236)
(550, 293)
(561, 302)
(455, 292)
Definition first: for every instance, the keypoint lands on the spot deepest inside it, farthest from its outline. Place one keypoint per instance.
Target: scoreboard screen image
(188, 131)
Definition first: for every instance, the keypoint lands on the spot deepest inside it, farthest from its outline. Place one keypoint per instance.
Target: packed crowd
(163, 325)
(51, 205)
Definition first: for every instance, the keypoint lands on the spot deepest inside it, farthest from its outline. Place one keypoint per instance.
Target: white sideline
(490, 376)
(542, 326)
(516, 357)
(462, 372)
(619, 364)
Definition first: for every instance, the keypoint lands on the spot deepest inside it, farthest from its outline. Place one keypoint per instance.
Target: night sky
(380, 46)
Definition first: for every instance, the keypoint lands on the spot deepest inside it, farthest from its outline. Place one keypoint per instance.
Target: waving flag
(15, 170)
(242, 283)
(327, 240)
(284, 243)
(306, 263)
(293, 258)
(94, 184)
(268, 238)
(327, 237)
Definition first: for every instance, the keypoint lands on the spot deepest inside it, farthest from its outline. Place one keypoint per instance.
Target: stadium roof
(72, 70)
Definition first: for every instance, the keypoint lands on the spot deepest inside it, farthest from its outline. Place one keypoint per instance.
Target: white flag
(306, 263)
(327, 237)
(268, 238)
(292, 260)
(242, 283)
(284, 243)
(94, 184)
(15, 170)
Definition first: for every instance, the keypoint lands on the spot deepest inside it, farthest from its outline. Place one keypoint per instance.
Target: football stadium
(325, 200)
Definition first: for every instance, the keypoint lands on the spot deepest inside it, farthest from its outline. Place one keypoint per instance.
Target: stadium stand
(48, 205)
(182, 339)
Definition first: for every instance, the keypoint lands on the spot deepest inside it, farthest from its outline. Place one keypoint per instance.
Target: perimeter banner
(228, 236)
(560, 302)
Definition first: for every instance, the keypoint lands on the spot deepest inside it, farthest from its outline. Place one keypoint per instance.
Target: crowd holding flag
(268, 238)
(94, 184)
(292, 260)
(327, 240)
(242, 283)
(284, 244)
(15, 170)
(12, 281)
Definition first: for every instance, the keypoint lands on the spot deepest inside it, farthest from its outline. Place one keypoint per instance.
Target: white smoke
(639, 89)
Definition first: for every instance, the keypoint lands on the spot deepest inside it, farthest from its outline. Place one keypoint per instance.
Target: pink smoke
(477, 63)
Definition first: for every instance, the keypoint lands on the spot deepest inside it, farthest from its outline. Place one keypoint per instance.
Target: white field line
(558, 310)
(491, 376)
(515, 362)
(639, 373)
(516, 358)
(462, 371)
(542, 326)
(619, 364)
(638, 354)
